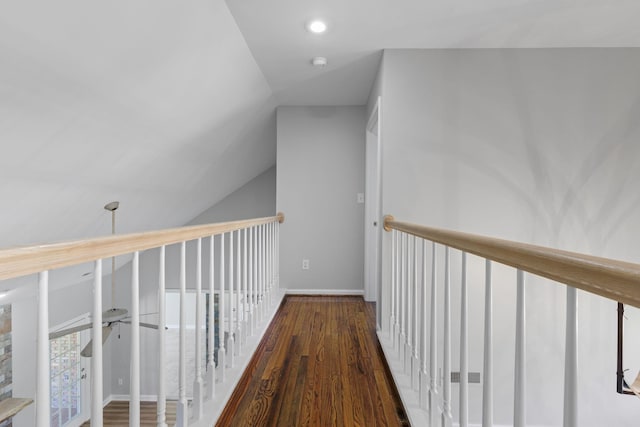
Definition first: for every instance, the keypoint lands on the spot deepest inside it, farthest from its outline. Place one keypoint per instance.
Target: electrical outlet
(119, 381)
(305, 264)
(360, 198)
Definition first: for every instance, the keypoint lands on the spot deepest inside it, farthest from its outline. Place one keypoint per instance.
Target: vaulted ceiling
(169, 106)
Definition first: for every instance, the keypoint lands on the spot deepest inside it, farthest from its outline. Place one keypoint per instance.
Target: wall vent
(474, 377)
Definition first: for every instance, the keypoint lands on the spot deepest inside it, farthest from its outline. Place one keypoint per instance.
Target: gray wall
(535, 145)
(255, 199)
(320, 171)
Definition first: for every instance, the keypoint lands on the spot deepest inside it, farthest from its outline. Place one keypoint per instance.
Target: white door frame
(372, 237)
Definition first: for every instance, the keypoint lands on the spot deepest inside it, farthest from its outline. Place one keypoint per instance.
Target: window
(67, 374)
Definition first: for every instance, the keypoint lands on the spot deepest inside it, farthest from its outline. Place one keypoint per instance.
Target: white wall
(536, 145)
(320, 163)
(255, 199)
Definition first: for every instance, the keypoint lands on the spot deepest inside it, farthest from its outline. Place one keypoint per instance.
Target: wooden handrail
(616, 280)
(16, 262)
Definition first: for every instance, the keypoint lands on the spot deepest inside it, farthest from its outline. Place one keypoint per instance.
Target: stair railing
(410, 334)
(250, 286)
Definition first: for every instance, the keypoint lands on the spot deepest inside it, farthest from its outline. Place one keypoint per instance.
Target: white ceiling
(169, 106)
(359, 29)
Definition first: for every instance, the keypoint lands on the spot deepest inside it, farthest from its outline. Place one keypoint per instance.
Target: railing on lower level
(247, 280)
(412, 328)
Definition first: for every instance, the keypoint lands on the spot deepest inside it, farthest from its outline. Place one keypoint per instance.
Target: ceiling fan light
(316, 26)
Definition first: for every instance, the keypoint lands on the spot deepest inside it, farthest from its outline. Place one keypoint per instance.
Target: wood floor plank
(320, 364)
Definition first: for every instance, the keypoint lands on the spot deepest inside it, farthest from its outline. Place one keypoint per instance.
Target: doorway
(372, 209)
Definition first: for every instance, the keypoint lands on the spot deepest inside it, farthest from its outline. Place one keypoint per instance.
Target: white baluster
(446, 362)
(96, 359)
(263, 275)
(264, 269)
(197, 383)
(43, 402)
(211, 366)
(398, 314)
(231, 362)
(415, 363)
(571, 361)
(487, 387)
(392, 307)
(424, 373)
(238, 296)
(162, 320)
(134, 385)
(222, 363)
(433, 342)
(278, 255)
(402, 314)
(182, 414)
(252, 294)
(259, 271)
(519, 408)
(409, 317)
(245, 293)
(464, 348)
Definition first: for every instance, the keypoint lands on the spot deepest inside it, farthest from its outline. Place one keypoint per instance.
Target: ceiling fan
(111, 316)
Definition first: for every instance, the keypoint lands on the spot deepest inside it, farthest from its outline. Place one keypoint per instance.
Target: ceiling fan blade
(144, 325)
(63, 332)
(87, 351)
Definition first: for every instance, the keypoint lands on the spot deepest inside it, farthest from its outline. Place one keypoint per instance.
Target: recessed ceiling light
(316, 26)
(319, 61)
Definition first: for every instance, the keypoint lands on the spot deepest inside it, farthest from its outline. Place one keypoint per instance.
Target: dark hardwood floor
(319, 364)
(116, 413)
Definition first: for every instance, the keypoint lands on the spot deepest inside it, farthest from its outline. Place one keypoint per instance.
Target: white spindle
(415, 363)
(211, 367)
(263, 274)
(238, 296)
(571, 361)
(519, 409)
(231, 340)
(398, 314)
(43, 403)
(252, 293)
(264, 267)
(182, 407)
(96, 359)
(222, 363)
(464, 348)
(408, 365)
(245, 293)
(267, 260)
(487, 387)
(259, 272)
(446, 362)
(162, 320)
(424, 373)
(392, 307)
(433, 342)
(197, 384)
(403, 296)
(277, 228)
(134, 385)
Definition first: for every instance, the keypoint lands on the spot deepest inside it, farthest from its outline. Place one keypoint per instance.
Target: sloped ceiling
(158, 104)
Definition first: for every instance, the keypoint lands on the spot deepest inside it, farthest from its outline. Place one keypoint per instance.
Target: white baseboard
(338, 292)
(125, 397)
